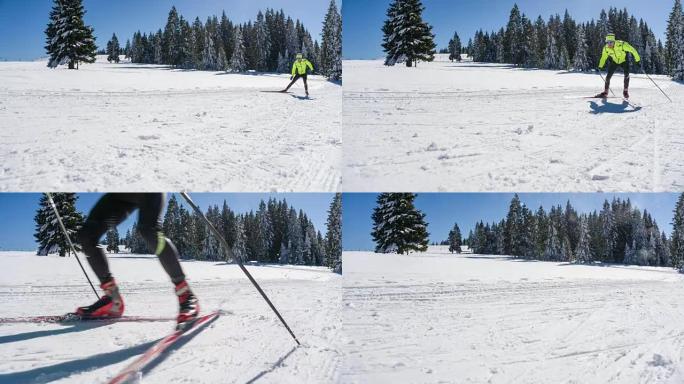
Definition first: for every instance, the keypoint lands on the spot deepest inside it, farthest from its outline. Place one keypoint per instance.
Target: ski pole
(654, 83)
(71, 245)
(604, 82)
(229, 253)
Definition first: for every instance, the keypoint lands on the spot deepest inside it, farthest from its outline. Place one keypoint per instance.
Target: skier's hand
(291, 77)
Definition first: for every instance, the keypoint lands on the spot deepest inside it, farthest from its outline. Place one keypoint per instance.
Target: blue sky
(18, 209)
(22, 22)
(363, 19)
(443, 209)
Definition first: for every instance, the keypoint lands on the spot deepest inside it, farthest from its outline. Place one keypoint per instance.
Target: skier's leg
(625, 69)
(294, 80)
(306, 85)
(108, 211)
(151, 205)
(149, 225)
(611, 70)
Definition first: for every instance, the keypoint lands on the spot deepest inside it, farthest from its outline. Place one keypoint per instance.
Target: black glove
(291, 77)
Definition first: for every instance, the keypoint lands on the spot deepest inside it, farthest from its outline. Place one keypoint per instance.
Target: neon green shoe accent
(161, 243)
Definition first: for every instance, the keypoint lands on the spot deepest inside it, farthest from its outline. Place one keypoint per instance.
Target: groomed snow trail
(439, 318)
(160, 129)
(247, 344)
(483, 127)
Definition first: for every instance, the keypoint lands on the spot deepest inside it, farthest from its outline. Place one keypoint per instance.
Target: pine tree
(675, 42)
(581, 62)
(513, 38)
(583, 252)
(397, 225)
(113, 49)
(333, 237)
(455, 239)
(49, 234)
(112, 240)
(331, 44)
(455, 48)
(407, 38)
(677, 238)
(69, 39)
(237, 62)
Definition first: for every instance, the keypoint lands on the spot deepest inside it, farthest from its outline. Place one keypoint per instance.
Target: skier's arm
(294, 68)
(604, 57)
(308, 64)
(627, 47)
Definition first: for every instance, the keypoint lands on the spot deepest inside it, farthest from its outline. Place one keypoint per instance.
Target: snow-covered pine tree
(455, 239)
(331, 44)
(583, 252)
(513, 38)
(69, 39)
(239, 247)
(49, 235)
(455, 48)
(406, 36)
(397, 225)
(333, 237)
(552, 56)
(674, 45)
(677, 238)
(237, 61)
(209, 58)
(581, 63)
(113, 49)
(112, 240)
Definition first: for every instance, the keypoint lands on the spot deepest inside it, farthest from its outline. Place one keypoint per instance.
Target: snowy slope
(247, 344)
(441, 318)
(486, 127)
(160, 129)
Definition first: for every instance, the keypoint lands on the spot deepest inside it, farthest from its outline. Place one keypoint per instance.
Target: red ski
(74, 318)
(151, 354)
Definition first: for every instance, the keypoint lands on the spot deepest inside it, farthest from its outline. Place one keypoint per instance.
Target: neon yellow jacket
(618, 53)
(299, 67)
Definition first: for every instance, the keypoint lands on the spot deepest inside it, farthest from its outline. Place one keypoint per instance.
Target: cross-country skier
(299, 69)
(111, 210)
(616, 51)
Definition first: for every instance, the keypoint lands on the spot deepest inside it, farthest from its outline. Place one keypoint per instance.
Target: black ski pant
(294, 80)
(111, 210)
(612, 66)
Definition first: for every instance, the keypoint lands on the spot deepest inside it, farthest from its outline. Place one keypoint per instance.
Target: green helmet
(299, 56)
(610, 38)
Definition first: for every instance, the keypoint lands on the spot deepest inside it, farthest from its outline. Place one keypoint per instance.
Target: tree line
(267, 44)
(275, 233)
(565, 44)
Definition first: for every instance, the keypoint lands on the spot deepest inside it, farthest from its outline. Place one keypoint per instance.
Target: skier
(111, 210)
(616, 51)
(299, 69)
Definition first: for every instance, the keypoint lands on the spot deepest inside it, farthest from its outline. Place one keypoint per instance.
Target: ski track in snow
(247, 344)
(477, 127)
(439, 318)
(148, 128)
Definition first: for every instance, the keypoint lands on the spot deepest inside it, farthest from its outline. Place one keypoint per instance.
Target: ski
(74, 318)
(153, 352)
(274, 92)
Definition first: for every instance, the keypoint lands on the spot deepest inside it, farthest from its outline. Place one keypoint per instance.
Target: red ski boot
(189, 305)
(110, 305)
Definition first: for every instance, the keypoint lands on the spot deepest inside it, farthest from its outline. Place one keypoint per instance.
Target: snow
(485, 127)
(151, 128)
(443, 318)
(246, 343)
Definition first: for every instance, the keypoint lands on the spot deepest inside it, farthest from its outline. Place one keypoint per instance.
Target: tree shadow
(631, 267)
(52, 332)
(63, 370)
(606, 107)
(273, 367)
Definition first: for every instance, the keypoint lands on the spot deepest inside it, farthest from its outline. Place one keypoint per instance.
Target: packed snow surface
(247, 344)
(151, 128)
(442, 318)
(468, 126)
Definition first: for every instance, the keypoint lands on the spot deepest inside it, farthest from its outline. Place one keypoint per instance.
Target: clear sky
(18, 210)
(23, 22)
(363, 19)
(442, 210)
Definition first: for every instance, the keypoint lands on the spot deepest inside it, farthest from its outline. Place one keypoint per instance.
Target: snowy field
(441, 318)
(485, 127)
(245, 345)
(151, 128)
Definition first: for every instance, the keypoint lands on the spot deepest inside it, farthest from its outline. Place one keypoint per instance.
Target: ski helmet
(300, 56)
(610, 38)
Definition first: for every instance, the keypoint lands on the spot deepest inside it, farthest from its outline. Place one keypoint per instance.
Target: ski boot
(625, 93)
(110, 305)
(189, 305)
(602, 95)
